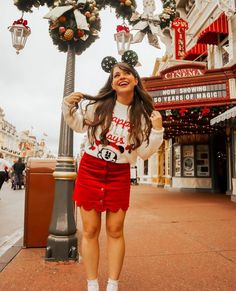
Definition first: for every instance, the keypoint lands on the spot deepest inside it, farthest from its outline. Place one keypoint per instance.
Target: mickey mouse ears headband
(130, 57)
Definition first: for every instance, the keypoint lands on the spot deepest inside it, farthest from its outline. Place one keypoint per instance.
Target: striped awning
(196, 51)
(215, 31)
(226, 116)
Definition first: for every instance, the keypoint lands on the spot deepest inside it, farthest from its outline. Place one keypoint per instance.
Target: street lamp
(123, 38)
(19, 33)
(62, 239)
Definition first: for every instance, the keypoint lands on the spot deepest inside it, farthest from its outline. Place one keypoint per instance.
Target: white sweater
(118, 150)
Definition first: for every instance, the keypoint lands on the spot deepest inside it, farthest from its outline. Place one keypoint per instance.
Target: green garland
(168, 14)
(191, 120)
(27, 5)
(64, 33)
(123, 8)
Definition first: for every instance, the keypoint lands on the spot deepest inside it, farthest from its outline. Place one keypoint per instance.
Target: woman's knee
(91, 232)
(114, 231)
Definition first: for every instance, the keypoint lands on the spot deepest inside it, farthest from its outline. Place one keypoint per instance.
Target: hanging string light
(193, 120)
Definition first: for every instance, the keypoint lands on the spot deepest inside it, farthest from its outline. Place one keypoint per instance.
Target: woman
(4, 169)
(121, 125)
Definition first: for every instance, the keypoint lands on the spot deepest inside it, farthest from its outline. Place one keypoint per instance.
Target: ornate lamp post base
(62, 240)
(61, 249)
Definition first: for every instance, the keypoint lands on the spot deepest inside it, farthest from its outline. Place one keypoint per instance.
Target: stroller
(17, 181)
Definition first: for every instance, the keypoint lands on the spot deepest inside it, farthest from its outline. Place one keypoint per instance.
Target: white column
(232, 39)
(211, 57)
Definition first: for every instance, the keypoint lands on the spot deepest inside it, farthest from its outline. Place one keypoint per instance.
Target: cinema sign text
(182, 73)
(192, 93)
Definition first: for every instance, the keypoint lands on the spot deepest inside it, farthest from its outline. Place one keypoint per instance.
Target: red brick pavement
(175, 241)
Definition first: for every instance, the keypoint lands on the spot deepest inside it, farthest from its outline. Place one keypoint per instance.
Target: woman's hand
(74, 98)
(156, 120)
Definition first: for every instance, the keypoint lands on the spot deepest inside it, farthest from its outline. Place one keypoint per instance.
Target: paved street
(11, 218)
(175, 241)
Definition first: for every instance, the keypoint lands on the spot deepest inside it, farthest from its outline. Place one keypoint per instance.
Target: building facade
(193, 83)
(9, 139)
(23, 144)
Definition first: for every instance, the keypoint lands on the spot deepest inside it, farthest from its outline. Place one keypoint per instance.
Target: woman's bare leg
(90, 245)
(116, 242)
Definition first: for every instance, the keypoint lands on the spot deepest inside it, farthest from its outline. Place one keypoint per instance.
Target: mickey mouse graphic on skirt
(121, 124)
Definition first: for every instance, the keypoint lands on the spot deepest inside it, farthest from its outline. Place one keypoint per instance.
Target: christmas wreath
(77, 25)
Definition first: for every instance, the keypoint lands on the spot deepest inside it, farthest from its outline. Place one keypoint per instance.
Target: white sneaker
(93, 285)
(112, 287)
(93, 288)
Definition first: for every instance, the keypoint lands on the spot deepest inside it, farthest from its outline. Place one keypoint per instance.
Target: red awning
(196, 51)
(215, 31)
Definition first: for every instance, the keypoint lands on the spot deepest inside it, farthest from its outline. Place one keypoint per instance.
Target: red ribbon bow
(120, 28)
(21, 21)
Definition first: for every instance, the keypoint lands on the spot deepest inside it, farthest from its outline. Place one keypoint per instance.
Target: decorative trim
(64, 175)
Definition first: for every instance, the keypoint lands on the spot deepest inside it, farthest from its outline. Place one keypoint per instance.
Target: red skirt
(102, 185)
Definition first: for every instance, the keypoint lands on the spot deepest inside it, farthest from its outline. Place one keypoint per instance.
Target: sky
(32, 83)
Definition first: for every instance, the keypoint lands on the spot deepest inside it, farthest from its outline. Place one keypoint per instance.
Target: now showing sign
(190, 93)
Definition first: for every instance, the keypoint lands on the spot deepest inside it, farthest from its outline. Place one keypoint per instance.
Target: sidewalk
(175, 241)
(11, 222)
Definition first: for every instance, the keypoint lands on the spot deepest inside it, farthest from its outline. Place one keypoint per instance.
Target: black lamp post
(62, 239)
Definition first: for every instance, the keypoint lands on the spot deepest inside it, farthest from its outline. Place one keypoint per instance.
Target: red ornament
(182, 111)
(205, 111)
(62, 19)
(80, 33)
(62, 29)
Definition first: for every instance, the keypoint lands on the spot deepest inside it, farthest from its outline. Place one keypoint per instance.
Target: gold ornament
(92, 18)
(69, 34)
(128, 3)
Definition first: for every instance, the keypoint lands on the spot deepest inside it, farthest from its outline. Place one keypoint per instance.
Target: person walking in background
(4, 169)
(121, 124)
(18, 169)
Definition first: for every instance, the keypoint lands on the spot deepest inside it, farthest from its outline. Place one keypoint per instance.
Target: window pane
(177, 161)
(145, 170)
(188, 160)
(202, 160)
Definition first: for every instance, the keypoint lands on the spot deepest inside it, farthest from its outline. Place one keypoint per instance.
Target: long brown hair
(139, 113)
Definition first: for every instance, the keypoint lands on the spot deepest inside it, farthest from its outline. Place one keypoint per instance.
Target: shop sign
(190, 94)
(180, 26)
(183, 73)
